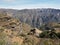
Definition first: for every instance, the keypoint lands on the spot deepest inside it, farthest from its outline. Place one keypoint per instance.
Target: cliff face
(37, 17)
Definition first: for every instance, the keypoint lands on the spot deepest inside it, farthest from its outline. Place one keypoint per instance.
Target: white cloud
(31, 6)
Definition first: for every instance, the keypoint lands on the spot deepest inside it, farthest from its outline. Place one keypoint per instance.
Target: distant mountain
(35, 17)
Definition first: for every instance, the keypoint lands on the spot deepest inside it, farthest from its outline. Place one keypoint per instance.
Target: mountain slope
(16, 32)
(35, 17)
(11, 30)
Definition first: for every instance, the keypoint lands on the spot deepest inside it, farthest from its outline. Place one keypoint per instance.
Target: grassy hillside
(14, 32)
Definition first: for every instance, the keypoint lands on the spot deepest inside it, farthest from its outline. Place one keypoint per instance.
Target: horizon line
(29, 8)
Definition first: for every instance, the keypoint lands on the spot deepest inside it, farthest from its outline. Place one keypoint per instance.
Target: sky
(29, 4)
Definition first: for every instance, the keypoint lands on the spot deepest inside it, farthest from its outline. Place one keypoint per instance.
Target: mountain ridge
(35, 17)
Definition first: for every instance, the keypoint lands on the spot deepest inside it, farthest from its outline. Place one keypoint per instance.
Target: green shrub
(2, 42)
(58, 34)
(44, 34)
(1, 29)
(48, 34)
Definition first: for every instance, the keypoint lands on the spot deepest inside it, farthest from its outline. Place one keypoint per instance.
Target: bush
(49, 34)
(1, 29)
(58, 34)
(44, 34)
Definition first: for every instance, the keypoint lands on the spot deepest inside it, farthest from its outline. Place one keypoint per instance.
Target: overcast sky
(23, 4)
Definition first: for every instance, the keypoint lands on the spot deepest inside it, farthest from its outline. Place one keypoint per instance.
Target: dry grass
(12, 32)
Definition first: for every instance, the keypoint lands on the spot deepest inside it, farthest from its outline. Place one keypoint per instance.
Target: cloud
(23, 4)
(33, 6)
